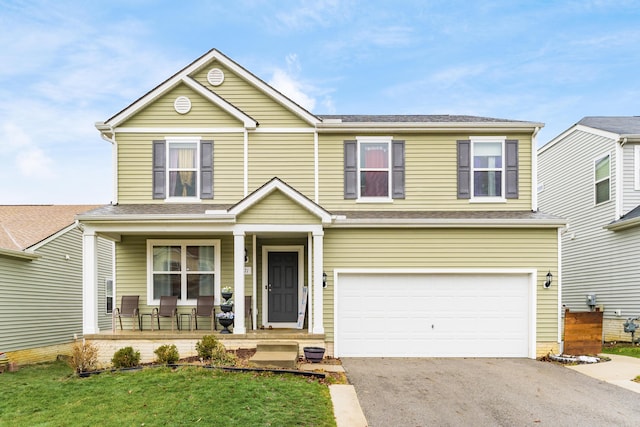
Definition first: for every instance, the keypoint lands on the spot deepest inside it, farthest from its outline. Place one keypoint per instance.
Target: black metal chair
(128, 308)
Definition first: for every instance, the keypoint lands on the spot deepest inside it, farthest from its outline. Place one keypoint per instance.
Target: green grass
(623, 350)
(50, 395)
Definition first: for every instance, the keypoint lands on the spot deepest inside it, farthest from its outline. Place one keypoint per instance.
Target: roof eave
(333, 127)
(448, 223)
(26, 255)
(623, 225)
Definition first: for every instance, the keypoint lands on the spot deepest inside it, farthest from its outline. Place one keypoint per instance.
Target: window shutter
(511, 169)
(464, 169)
(350, 170)
(206, 170)
(397, 159)
(159, 169)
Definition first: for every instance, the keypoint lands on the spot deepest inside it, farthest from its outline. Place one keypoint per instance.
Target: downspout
(619, 166)
(534, 170)
(104, 130)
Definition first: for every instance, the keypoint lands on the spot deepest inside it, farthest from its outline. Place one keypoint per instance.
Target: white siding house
(590, 176)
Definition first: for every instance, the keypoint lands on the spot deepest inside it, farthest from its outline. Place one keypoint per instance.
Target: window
(488, 169)
(186, 269)
(602, 179)
(108, 292)
(182, 169)
(374, 169)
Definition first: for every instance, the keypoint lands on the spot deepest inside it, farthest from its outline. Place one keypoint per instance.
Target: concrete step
(278, 346)
(276, 354)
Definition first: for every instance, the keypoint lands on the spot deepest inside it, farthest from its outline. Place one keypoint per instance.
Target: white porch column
(318, 266)
(238, 282)
(89, 282)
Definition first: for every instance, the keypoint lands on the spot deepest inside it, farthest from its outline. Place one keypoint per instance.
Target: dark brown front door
(283, 287)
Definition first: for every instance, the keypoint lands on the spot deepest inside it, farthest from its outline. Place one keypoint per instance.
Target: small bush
(84, 356)
(126, 358)
(211, 349)
(167, 354)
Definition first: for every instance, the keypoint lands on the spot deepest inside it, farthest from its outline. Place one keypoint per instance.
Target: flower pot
(225, 323)
(226, 308)
(227, 295)
(313, 354)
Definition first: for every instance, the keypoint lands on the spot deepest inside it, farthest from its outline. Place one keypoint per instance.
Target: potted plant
(227, 292)
(227, 305)
(313, 354)
(226, 319)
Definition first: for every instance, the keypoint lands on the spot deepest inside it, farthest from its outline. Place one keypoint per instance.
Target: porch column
(238, 282)
(318, 266)
(89, 282)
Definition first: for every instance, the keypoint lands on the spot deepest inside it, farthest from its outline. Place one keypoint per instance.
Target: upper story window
(182, 169)
(374, 169)
(488, 169)
(602, 173)
(186, 269)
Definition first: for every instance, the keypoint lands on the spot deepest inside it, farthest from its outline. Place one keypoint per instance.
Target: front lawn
(622, 349)
(51, 395)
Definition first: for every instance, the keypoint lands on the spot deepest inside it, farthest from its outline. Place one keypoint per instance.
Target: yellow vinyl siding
(135, 164)
(131, 261)
(249, 99)
(277, 208)
(448, 249)
(286, 156)
(430, 175)
(203, 113)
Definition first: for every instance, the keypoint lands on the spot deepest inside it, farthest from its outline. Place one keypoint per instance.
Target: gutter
(622, 225)
(447, 223)
(27, 255)
(406, 127)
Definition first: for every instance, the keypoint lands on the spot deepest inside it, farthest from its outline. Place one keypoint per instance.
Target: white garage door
(432, 315)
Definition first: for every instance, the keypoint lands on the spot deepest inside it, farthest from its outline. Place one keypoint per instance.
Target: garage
(434, 315)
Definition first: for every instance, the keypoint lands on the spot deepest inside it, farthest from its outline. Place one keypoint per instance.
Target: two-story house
(590, 175)
(406, 235)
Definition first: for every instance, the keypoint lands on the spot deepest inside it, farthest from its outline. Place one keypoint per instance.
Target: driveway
(485, 392)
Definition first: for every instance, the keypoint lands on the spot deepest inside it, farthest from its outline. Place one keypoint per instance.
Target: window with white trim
(182, 169)
(186, 269)
(487, 174)
(374, 160)
(108, 293)
(602, 178)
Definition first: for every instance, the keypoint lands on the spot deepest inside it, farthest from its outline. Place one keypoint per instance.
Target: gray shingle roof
(622, 125)
(415, 118)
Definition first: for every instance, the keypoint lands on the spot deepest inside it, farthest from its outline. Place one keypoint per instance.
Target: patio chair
(168, 308)
(248, 310)
(128, 308)
(204, 308)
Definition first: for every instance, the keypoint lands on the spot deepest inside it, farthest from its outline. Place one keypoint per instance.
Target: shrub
(211, 349)
(126, 358)
(84, 356)
(167, 354)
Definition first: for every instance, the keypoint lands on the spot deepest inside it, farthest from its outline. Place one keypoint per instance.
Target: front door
(282, 287)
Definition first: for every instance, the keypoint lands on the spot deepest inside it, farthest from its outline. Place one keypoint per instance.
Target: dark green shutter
(350, 169)
(159, 180)
(511, 169)
(464, 169)
(206, 170)
(397, 160)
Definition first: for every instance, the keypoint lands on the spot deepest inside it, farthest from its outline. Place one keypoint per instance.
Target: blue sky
(65, 65)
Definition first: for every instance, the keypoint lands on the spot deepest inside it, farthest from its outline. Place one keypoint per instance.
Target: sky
(65, 65)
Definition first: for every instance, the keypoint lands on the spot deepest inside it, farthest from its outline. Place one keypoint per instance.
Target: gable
(248, 98)
(162, 113)
(277, 208)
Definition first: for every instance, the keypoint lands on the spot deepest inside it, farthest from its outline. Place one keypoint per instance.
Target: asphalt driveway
(485, 392)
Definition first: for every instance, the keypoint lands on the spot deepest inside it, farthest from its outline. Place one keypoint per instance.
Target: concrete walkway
(621, 371)
(346, 406)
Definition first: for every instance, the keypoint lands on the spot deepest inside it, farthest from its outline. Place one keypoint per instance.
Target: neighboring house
(414, 235)
(41, 280)
(590, 175)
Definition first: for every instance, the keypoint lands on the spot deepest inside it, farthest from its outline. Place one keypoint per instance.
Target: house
(407, 235)
(41, 281)
(590, 175)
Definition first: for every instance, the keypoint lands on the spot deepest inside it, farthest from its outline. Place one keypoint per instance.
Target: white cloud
(32, 162)
(292, 88)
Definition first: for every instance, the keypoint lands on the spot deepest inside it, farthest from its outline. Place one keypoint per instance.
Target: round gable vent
(182, 104)
(215, 76)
